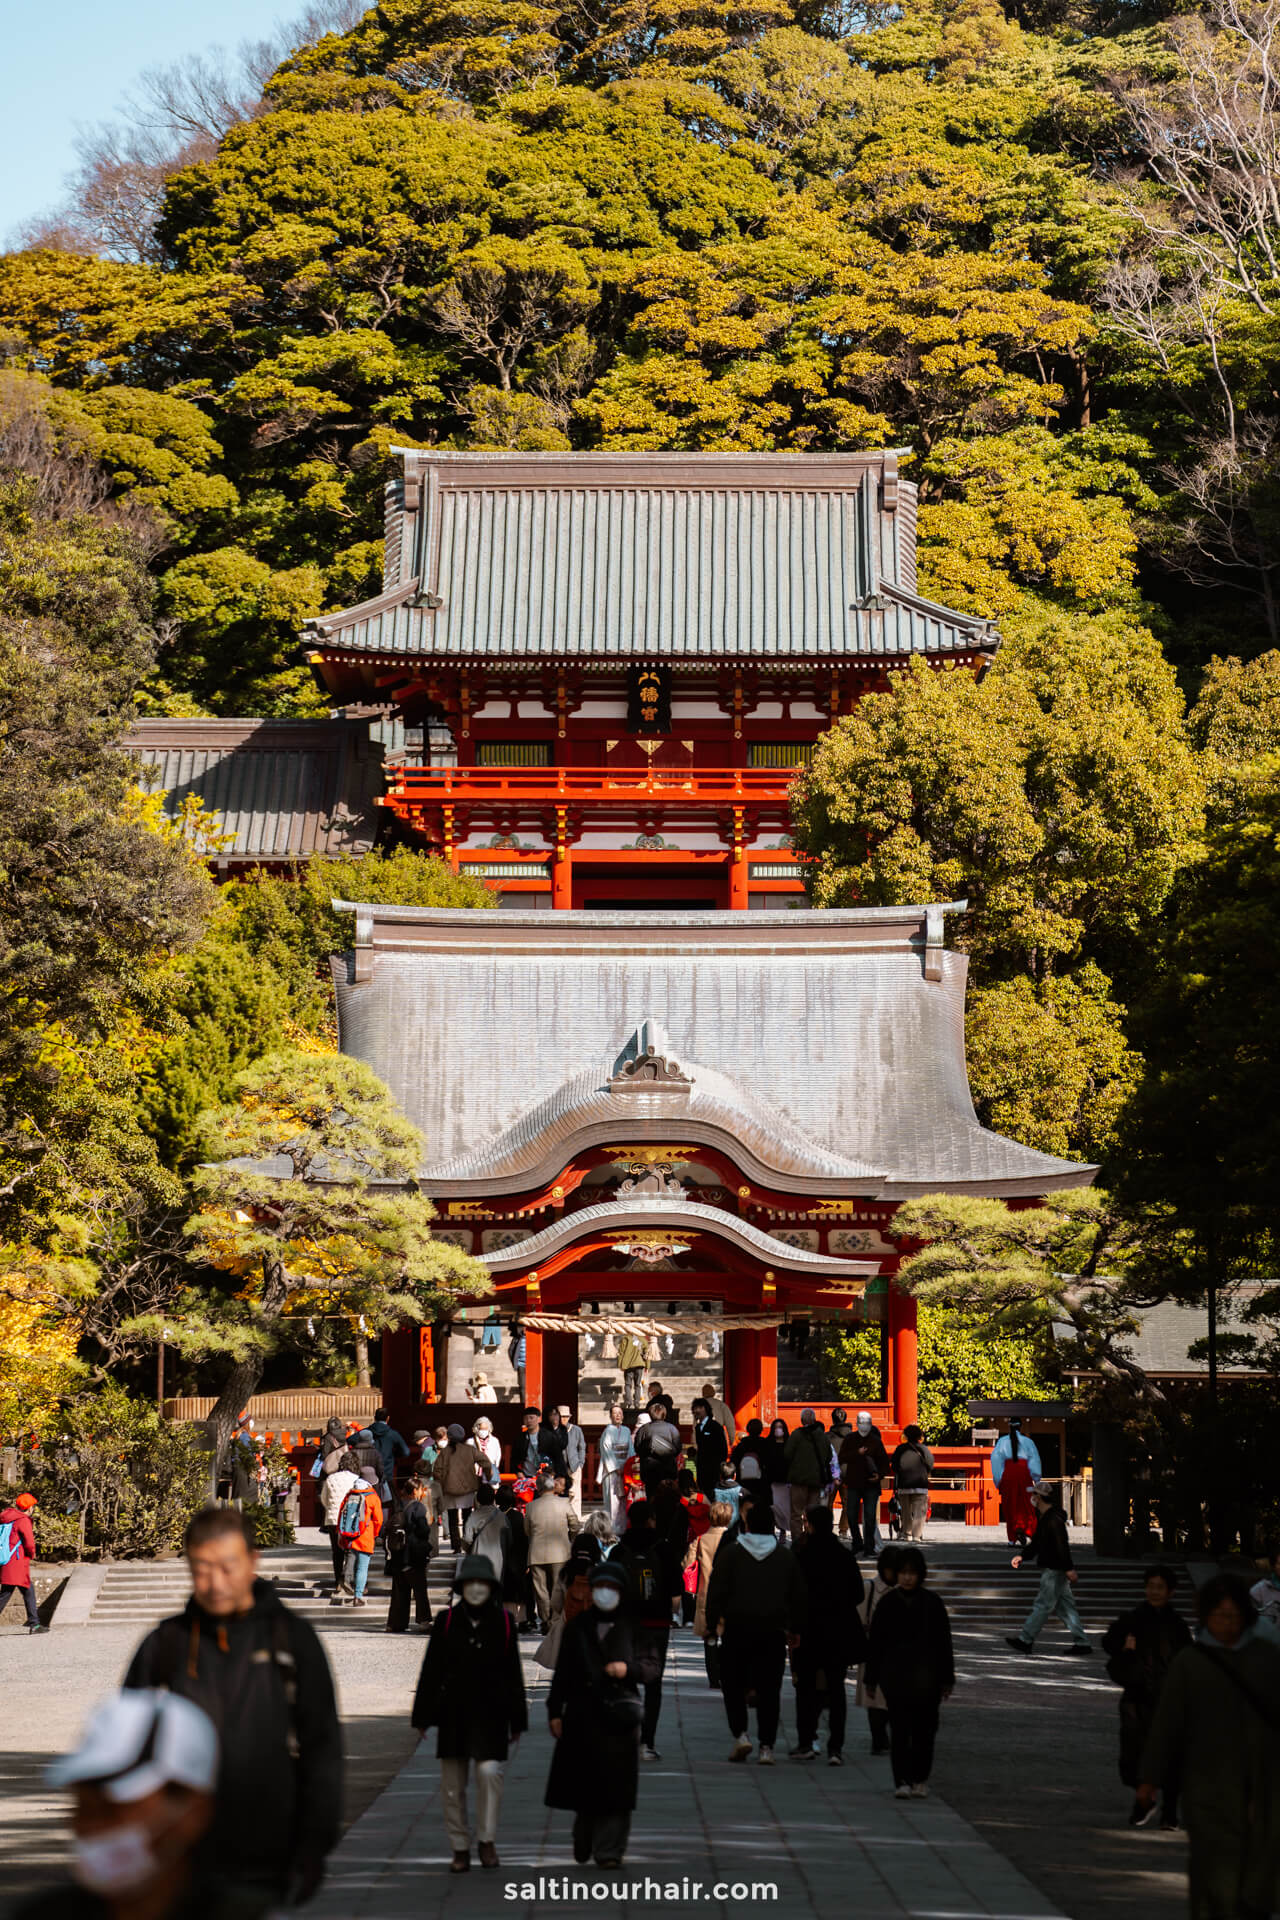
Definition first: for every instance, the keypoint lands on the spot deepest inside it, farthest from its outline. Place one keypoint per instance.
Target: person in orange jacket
(358, 1530)
(18, 1545)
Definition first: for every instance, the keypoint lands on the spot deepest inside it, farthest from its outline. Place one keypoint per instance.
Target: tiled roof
(280, 789)
(1166, 1334)
(823, 1050)
(657, 556)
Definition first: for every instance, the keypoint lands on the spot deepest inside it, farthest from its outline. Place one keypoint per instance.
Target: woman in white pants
(471, 1689)
(616, 1448)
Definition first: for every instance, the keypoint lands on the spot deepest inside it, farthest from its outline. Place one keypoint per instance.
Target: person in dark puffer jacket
(757, 1601)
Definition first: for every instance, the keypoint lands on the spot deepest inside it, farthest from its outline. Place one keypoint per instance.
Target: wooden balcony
(644, 788)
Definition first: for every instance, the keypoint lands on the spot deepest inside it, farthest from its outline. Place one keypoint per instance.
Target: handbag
(622, 1712)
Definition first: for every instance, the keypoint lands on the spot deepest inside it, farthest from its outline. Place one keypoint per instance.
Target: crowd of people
(212, 1782)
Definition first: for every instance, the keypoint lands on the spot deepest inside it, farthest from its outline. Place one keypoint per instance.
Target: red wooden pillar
(904, 1389)
(532, 1368)
(738, 900)
(400, 1374)
(751, 1374)
(561, 874)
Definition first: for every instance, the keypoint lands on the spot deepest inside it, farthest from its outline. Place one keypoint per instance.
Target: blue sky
(65, 65)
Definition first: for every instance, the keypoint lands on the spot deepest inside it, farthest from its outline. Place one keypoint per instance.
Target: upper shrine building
(588, 681)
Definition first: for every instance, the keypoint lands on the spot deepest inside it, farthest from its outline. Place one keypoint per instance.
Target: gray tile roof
(281, 789)
(671, 556)
(1168, 1332)
(825, 1051)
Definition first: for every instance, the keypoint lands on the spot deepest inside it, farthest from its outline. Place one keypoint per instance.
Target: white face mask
(117, 1862)
(606, 1599)
(475, 1592)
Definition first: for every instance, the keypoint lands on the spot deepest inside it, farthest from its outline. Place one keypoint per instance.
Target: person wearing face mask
(594, 1713)
(863, 1465)
(143, 1780)
(471, 1689)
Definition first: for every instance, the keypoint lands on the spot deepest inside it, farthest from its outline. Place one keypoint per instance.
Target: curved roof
(824, 1050)
(645, 1212)
(677, 556)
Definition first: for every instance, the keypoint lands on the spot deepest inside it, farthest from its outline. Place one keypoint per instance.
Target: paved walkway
(804, 1837)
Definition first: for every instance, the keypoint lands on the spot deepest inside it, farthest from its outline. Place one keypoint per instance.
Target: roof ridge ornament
(648, 1070)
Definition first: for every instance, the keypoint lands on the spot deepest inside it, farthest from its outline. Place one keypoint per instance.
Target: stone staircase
(138, 1593)
(985, 1597)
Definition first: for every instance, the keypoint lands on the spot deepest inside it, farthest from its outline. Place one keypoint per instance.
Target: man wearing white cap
(143, 1777)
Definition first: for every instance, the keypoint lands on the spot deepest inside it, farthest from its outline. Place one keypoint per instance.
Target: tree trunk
(246, 1373)
(362, 1360)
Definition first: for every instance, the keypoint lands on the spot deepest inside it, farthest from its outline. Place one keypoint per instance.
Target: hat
(1043, 1489)
(482, 1379)
(563, 1412)
(606, 1575)
(25, 1502)
(138, 1741)
(474, 1566)
(455, 1432)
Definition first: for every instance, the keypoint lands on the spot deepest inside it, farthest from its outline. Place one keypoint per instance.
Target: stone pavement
(808, 1839)
(1027, 1818)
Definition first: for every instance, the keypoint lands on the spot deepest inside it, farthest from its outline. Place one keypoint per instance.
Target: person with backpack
(368, 1456)
(359, 1524)
(17, 1551)
(1050, 1550)
(646, 1556)
(594, 1714)
(1216, 1732)
(757, 1605)
(409, 1539)
(911, 1466)
(471, 1689)
(1140, 1647)
(260, 1673)
(833, 1639)
(806, 1459)
(334, 1489)
(910, 1660)
(657, 1448)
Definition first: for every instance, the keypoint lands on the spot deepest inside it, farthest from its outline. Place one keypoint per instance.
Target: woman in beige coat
(701, 1553)
(870, 1697)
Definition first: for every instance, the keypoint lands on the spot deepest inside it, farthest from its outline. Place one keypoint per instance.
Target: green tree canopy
(308, 1202)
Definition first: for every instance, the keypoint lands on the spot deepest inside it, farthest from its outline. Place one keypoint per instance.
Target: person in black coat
(260, 1673)
(909, 1659)
(471, 1688)
(409, 1536)
(553, 1442)
(1140, 1646)
(651, 1554)
(594, 1712)
(833, 1639)
(712, 1444)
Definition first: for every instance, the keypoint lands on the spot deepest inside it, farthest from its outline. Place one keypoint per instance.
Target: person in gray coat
(575, 1457)
(551, 1524)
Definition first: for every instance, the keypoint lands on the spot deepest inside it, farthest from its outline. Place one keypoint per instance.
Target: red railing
(578, 786)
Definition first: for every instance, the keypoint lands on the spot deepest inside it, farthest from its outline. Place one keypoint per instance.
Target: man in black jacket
(833, 1640)
(712, 1443)
(409, 1537)
(260, 1674)
(1141, 1646)
(1050, 1550)
(646, 1556)
(657, 1448)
